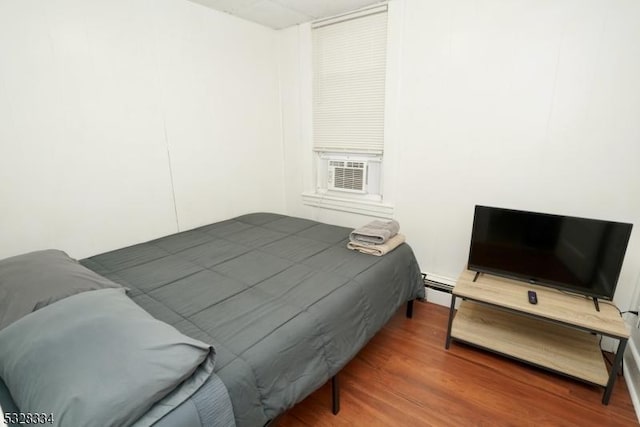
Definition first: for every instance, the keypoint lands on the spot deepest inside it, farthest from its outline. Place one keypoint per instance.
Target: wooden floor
(405, 377)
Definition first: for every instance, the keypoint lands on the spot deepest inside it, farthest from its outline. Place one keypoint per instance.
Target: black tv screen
(579, 255)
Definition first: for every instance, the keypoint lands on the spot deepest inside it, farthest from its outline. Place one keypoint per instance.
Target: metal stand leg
(409, 309)
(614, 372)
(335, 395)
(451, 312)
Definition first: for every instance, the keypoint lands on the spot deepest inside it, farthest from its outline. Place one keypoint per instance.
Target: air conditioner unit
(347, 175)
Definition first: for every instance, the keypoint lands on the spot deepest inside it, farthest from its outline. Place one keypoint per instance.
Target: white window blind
(349, 67)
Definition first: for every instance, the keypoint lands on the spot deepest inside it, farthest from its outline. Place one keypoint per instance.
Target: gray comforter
(282, 300)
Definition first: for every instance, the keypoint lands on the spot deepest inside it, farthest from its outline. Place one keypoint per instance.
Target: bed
(281, 300)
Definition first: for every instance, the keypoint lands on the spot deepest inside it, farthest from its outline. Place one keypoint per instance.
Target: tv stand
(476, 276)
(557, 334)
(595, 302)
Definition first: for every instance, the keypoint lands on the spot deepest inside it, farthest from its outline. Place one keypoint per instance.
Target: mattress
(208, 407)
(281, 299)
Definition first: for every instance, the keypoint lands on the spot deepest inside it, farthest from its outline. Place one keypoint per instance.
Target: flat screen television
(578, 255)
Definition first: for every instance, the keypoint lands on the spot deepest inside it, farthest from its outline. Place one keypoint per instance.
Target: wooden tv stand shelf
(556, 334)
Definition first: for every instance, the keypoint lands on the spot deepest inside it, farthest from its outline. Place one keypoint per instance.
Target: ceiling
(279, 14)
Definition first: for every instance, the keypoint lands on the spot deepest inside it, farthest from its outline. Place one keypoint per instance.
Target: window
(349, 68)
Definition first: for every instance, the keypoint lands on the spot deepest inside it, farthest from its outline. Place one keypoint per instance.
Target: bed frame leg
(409, 309)
(335, 386)
(335, 395)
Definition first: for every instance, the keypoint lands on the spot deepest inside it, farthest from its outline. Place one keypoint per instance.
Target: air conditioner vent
(347, 176)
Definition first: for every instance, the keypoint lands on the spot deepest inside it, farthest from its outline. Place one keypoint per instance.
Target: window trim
(357, 206)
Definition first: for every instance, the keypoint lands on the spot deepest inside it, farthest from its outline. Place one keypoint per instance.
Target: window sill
(362, 207)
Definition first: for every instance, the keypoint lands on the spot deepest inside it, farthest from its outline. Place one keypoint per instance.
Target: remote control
(533, 298)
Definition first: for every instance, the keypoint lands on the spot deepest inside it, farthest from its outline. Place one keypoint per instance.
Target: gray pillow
(31, 281)
(98, 359)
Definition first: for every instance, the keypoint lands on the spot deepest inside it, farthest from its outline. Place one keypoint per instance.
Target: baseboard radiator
(434, 284)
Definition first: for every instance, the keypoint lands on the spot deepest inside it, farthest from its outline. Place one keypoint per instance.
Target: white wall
(96, 95)
(530, 105)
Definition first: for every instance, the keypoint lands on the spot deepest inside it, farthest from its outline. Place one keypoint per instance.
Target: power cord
(634, 312)
(608, 356)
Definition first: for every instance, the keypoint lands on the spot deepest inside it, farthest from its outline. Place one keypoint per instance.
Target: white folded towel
(378, 250)
(375, 232)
